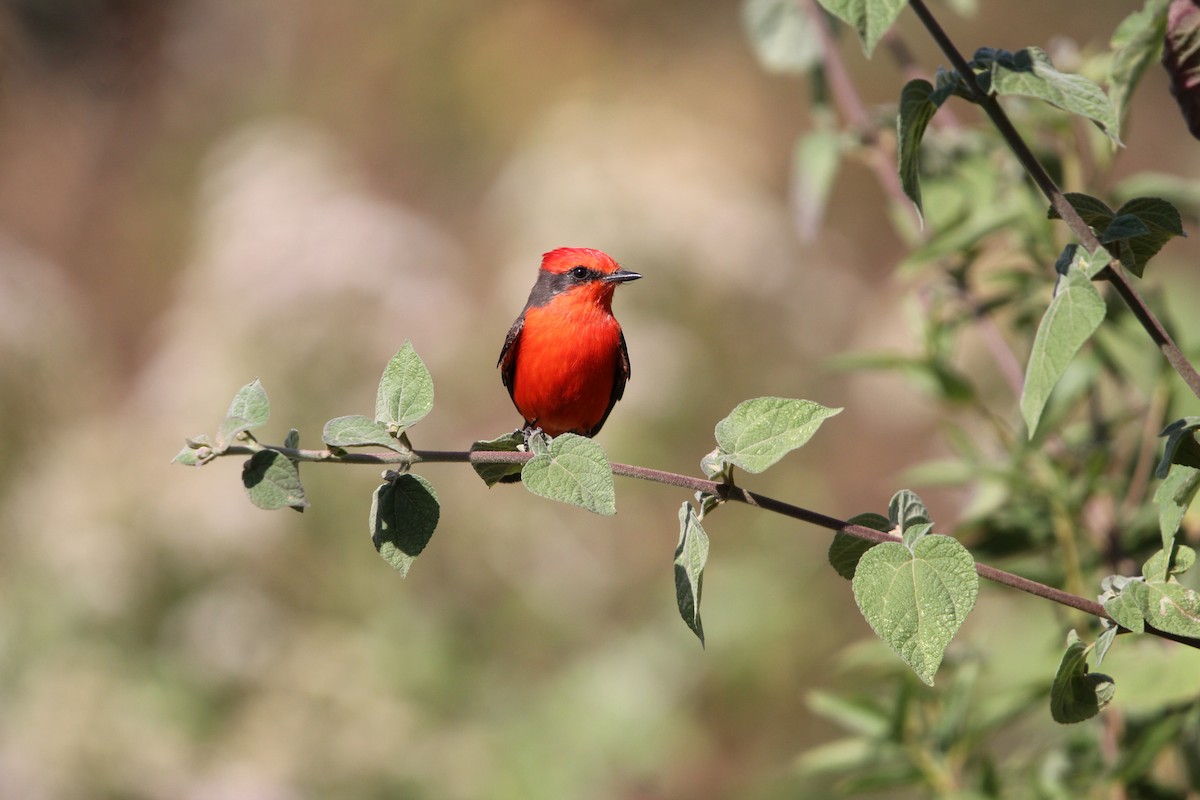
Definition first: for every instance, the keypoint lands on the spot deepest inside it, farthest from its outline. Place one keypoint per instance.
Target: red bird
(564, 360)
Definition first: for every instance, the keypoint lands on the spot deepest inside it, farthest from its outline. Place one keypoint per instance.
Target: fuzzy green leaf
(1159, 569)
(916, 601)
(690, 557)
(870, 18)
(1122, 600)
(782, 35)
(1157, 222)
(1172, 608)
(494, 473)
(759, 432)
(359, 431)
(917, 108)
(1029, 73)
(845, 550)
(1181, 446)
(1072, 317)
(1136, 43)
(1123, 226)
(249, 410)
(1105, 641)
(574, 470)
(273, 481)
(906, 508)
(1077, 694)
(404, 515)
(1173, 497)
(405, 391)
(1093, 211)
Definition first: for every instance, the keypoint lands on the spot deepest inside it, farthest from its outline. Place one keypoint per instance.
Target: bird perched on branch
(564, 361)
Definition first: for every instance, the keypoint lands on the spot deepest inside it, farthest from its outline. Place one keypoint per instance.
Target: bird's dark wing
(620, 376)
(508, 354)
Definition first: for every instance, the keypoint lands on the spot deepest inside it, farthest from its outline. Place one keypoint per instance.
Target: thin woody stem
(724, 491)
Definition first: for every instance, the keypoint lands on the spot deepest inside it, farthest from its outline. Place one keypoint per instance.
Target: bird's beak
(621, 276)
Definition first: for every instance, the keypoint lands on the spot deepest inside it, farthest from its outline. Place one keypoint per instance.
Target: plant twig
(1113, 273)
(724, 491)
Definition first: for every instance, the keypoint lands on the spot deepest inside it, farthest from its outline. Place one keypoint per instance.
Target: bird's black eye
(579, 273)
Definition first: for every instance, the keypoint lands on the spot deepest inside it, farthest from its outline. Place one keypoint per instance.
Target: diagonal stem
(724, 491)
(1113, 273)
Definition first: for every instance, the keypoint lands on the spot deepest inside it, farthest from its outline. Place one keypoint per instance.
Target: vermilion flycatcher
(564, 360)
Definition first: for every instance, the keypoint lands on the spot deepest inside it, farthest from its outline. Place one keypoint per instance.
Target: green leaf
(404, 515)
(1029, 73)
(1158, 569)
(359, 431)
(1105, 641)
(1122, 599)
(846, 549)
(1172, 608)
(1157, 223)
(906, 508)
(1173, 497)
(917, 108)
(759, 432)
(870, 18)
(915, 533)
(1092, 210)
(1181, 447)
(273, 481)
(1073, 316)
(782, 35)
(197, 451)
(494, 473)
(249, 410)
(405, 390)
(574, 470)
(815, 161)
(187, 457)
(1123, 226)
(1136, 43)
(916, 601)
(1077, 694)
(690, 557)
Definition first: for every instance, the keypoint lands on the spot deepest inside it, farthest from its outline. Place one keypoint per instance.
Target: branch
(724, 491)
(1113, 273)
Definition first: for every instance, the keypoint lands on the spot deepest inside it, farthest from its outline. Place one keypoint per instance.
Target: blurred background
(194, 193)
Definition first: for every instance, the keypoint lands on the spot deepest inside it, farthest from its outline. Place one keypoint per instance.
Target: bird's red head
(565, 259)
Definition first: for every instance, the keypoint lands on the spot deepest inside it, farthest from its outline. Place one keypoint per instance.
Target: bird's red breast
(564, 361)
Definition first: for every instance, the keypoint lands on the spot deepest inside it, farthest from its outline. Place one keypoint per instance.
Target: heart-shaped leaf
(405, 391)
(404, 515)
(249, 409)
(916, 601)
(1077, 694)
(572, 469)
(273, 481)
(759, 432)
(494, 473)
